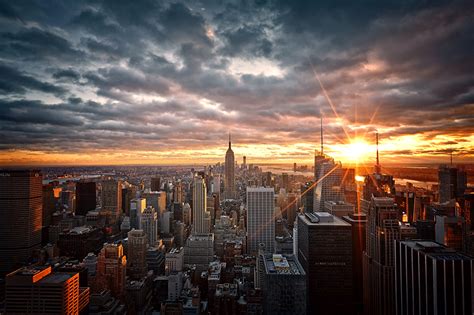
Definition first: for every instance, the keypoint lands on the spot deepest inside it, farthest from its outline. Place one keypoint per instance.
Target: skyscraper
(260, 218)
(382, 229)
(21, 197)
(137, 250)
(155, 183)
(111, 269)
(329, 186)
(432, 279)
(284, 285)
(136, 208)
(452, 182)
(149, 224)
(229, 184)
(325, 252)
(38, 290)
(85, 197)
(112, 198)
(199, 206)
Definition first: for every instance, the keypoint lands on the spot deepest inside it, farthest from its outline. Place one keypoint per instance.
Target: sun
(355, 152)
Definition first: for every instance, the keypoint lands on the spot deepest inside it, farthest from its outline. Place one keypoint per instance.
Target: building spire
(229, 141)
(322, 142)
(377, 165)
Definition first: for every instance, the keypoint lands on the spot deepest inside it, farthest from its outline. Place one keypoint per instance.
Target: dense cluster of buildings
(235, 239)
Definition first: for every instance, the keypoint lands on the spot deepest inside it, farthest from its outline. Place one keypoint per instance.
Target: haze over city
(164, 82)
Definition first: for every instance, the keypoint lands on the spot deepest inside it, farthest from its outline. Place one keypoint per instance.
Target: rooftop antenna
(377, 165)
(229, 140)
(451, 154)
(322, 142)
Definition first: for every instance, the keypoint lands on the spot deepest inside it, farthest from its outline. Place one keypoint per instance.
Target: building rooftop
(436, 250)
(282, 265)
(322, 218)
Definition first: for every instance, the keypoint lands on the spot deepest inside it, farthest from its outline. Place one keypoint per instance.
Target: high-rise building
(229, 183)
(199, 251)
(112, 198)
(149, 224)
(339, 208)
(358, 222)
(178, 193)
(49, 204)
(329, 186)
(85, 197)
(38, 290)
(452, 182)
(136, 253)
(284, 285)
(260, 218)
(451, 231)
(111, 269)
(21, 215)
(325, 252)
(155, 183)
(174, 260)
(307, 196)
(216, 184)
(432, 279)
(199, 206)
(382, 229)
(129, 192)
(136, 209)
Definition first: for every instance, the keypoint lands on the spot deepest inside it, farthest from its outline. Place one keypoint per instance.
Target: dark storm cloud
(16, 82)
(162, 71)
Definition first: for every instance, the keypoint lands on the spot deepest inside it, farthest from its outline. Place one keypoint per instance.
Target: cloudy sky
(112, 82)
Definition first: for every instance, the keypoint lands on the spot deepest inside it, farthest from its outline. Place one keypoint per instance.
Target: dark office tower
(382, 229)
(85, 197)
(325, 252)
(285, 181)
(49, 204)
(112, 198)
(38, 290)
(128, 194)
(155, 183)
(307, 197)
(452, 182)
(21, 216)
(284, 285)
(358, 221)
(432, 279)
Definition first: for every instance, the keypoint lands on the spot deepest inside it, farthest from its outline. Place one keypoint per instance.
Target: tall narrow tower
(377, 164)
(229, 183)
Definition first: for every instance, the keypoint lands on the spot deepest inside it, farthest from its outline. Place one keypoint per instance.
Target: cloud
(171, 75)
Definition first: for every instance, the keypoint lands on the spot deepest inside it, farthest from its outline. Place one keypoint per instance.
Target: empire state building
(229, 183)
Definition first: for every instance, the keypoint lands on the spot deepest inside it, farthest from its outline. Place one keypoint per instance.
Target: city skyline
(163, 83)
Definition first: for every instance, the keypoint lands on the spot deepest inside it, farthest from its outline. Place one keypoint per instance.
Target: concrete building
(432, 279)
(451, 231)
(137, 206)
(149, 224)
(284, 285)
(38, 290)
(199, 251)
(174, 260)
(21, 196)
(260, 218)
(112, 198)
(111, 269)
(199, 206)
(155, 184)
(339, 208)
(325, 252)
(136, 254)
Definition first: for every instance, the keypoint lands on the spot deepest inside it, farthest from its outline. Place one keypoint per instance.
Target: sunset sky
(164, 82)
